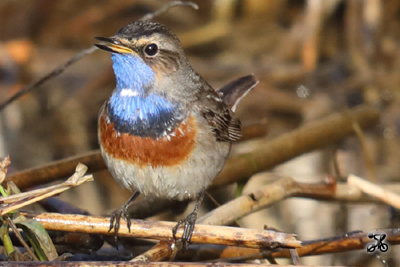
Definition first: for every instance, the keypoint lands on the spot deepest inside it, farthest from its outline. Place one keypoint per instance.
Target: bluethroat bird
(164, 132)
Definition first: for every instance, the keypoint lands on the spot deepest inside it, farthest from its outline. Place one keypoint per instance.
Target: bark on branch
(204, 234)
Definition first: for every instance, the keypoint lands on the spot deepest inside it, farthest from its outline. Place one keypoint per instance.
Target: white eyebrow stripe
(128, 92)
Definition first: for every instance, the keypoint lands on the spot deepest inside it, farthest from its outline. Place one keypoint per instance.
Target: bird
(164, 132)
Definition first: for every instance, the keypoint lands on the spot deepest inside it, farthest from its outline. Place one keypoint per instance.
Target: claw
(189, 223)
(116, 217)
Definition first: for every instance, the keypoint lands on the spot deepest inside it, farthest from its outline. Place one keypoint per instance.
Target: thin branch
(57, 71)
(368, 157)
(374, 190)
(21, 239)
(164, 250)
(205, 234)
(342, 243)
(56, 170)
(246, 204)
(167, 7)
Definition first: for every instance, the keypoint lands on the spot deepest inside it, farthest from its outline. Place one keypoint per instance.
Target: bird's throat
(145, 116)
(133, 108)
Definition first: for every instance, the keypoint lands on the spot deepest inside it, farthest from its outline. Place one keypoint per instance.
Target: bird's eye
(151, 49)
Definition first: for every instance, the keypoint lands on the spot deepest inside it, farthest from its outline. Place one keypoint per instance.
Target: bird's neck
(133, 108)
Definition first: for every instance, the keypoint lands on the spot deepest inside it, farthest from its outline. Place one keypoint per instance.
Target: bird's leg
(188, 223)
(123, 211)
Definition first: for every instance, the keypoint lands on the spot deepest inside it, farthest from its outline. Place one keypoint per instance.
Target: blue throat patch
(131, 108)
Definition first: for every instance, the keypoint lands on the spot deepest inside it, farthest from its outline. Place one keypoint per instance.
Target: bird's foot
(115, 221)
(188, 223)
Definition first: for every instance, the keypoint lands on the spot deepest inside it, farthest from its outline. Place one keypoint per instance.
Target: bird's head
(143, 52)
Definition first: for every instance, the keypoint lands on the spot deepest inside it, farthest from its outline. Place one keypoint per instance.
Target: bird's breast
(169, 150)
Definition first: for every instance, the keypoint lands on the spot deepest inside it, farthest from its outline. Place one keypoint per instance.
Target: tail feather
(234, 91)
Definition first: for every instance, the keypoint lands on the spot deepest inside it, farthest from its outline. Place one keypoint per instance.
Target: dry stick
(56, 170)
(277, 191)
(246, 204)
(204, 234)
(337, 244)
(270, 153)
(164, 250)
(20, 200)
(60, 69)
(374, 190)
(130, 264)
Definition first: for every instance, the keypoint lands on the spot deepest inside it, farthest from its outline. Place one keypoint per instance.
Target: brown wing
(225, 125)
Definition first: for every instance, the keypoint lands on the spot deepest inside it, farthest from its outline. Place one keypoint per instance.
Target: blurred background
(312, 57)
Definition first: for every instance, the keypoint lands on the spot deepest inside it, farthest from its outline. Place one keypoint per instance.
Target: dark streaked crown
(139, 29)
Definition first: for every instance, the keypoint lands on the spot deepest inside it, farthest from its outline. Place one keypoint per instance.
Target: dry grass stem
(17, 201)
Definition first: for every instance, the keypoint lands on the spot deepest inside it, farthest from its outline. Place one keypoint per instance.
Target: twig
(368, 158)
(337, 244)
(57, 71)
(270, 153)
(205, 234)
(167, 7)
(341, 243)
(164, 250)
(242, 206)
(17, 201)
(374, 190)
(21, 239)
(56, 170)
